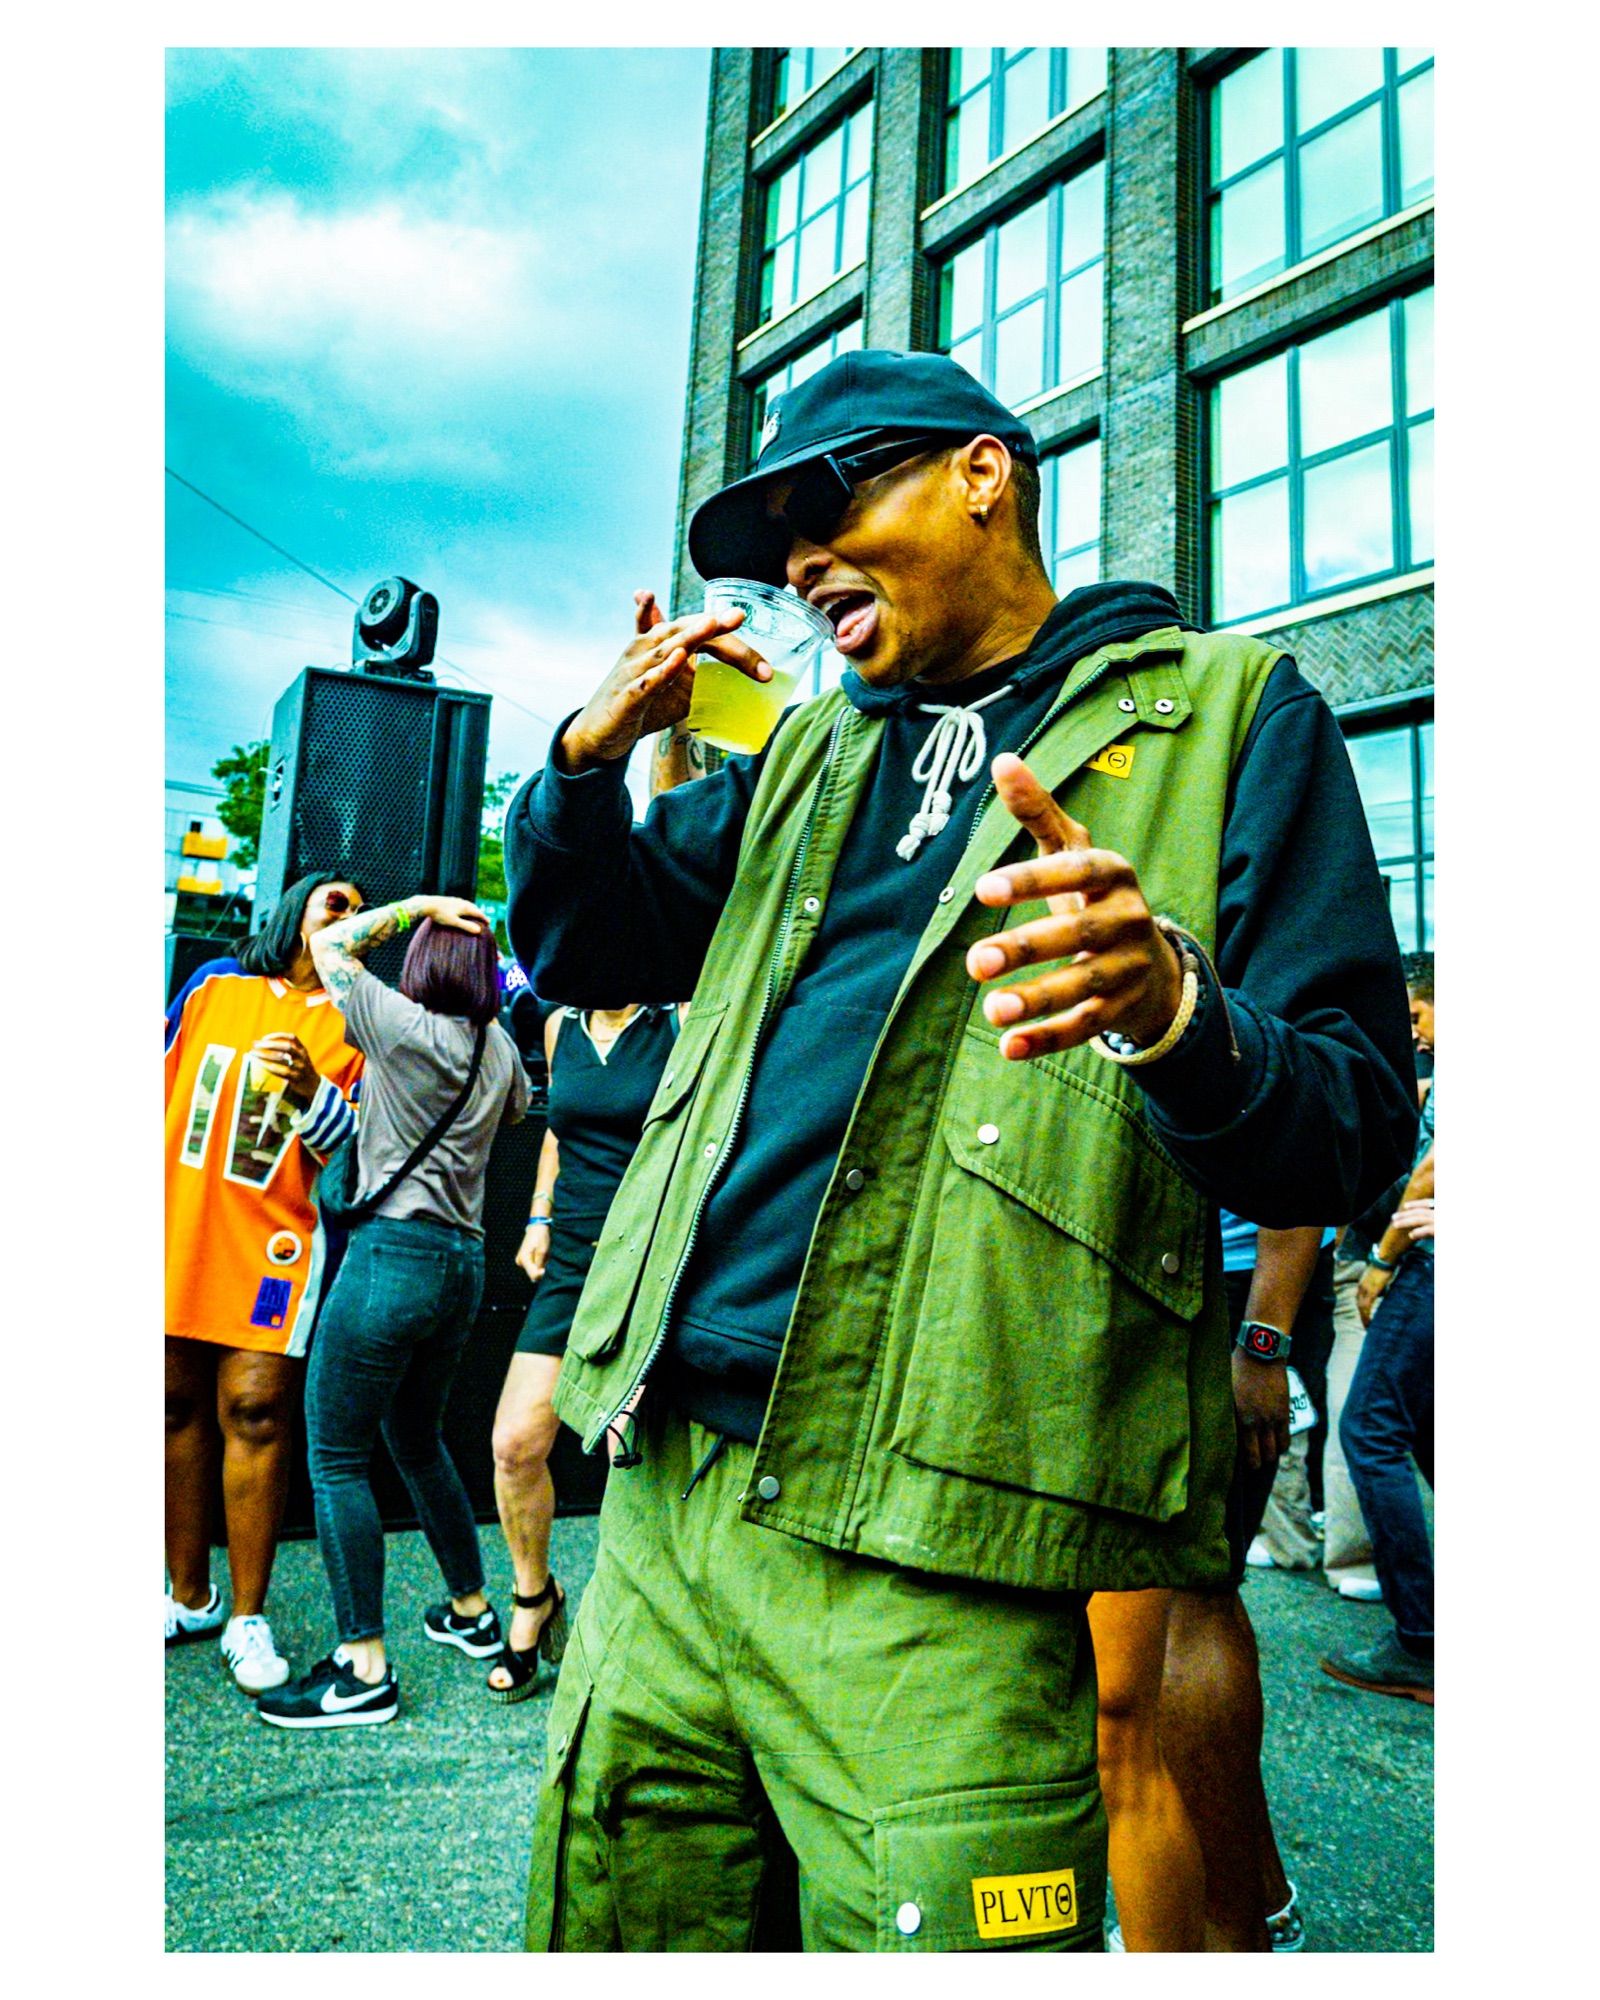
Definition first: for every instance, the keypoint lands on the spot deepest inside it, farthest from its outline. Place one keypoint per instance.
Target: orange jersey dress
(245, 1249)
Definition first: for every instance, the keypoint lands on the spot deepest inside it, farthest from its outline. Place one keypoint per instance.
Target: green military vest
(1008, 1357)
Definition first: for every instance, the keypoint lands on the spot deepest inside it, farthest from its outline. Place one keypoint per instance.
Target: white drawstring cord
(953, 753)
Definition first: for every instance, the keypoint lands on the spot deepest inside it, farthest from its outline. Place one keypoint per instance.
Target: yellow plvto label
(1009, 1906)
(1116, 760)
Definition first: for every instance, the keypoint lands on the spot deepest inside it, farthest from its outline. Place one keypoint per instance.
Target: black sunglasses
(820, 497)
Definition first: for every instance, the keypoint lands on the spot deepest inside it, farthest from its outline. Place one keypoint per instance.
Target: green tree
(492, 894)
(243, 773)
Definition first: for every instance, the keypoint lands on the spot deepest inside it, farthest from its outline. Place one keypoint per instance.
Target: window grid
(1056, 279)
(782, 285)
(1076, 75)
(1410, 872)
(1396, 434)
(797, 72)
(842, 340)
(1295, 249)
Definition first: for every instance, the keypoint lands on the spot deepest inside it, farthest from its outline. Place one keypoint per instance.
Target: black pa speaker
(377, 779)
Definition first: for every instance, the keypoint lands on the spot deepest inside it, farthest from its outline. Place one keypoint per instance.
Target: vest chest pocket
(1050, 1350)
(631, 1226)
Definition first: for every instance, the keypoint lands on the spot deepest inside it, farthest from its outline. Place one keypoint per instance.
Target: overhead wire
(327, 582)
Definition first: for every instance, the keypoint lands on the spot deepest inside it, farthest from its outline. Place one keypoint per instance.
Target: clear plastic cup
(727, 707)
(263, 1081)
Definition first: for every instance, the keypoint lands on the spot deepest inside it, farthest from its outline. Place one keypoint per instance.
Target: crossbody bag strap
(433, 1135)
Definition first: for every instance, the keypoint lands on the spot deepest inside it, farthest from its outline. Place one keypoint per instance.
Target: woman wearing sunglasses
(258, 1078)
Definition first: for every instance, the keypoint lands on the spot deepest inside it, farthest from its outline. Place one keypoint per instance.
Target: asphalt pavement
(414, 1836)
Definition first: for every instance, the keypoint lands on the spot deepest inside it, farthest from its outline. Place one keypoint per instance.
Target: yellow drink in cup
(263, 1080)
(729, 709)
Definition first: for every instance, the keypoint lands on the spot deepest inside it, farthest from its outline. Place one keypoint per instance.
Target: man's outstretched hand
(1103, 962)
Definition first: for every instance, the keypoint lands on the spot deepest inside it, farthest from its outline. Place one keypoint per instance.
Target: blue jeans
(1387, 1422)
(384, 1356)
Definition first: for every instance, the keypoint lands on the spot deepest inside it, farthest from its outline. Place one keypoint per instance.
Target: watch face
(1262, 1340)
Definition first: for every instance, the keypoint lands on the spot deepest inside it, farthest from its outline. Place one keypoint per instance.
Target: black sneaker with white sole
(479, 1638)
(331, 1696)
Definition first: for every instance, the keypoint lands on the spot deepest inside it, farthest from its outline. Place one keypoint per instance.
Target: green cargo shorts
(760, 1744)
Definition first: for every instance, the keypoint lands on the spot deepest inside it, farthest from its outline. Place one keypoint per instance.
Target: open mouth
(853, 615)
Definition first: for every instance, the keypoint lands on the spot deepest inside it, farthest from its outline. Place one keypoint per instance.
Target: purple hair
(453, 972)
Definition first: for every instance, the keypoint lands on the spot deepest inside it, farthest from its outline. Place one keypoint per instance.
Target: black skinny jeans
(384, 1356)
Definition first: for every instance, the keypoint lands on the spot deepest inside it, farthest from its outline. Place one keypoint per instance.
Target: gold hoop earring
(981, 516)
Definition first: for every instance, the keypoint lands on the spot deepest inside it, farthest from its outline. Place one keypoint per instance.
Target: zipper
(785, 921)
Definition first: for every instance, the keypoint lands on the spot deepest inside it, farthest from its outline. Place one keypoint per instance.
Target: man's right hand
(649, 688)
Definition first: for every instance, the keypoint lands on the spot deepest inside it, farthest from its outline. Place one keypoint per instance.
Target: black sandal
(523, 1665)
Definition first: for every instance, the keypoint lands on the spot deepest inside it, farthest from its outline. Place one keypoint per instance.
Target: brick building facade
(1203, 275)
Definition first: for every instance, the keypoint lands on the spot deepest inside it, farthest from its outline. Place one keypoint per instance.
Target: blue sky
(428, 312)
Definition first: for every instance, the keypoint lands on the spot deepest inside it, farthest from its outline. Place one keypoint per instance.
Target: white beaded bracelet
(1187, 1003)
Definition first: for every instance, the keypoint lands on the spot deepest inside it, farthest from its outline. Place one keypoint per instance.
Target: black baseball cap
(844, 407)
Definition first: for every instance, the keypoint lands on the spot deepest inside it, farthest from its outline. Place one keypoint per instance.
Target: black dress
(596, 1111)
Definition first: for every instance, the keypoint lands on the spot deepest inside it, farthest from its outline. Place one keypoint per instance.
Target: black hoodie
(603, 912)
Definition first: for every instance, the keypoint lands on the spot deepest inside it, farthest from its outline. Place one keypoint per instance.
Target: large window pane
(1019, 355)
(818, 252)
(1025, 105)
(1382, 763)
(1247, 231)
(1083, 217)
(968, 68)
(1082, 324)
(969, 152)
(1328, 80)
(963, 294)
(824, 172)
(1349, 518)
(1022, 250)
(1250, 550)
(1345, 385)
(970, 355)
(1409, 58)
(1419, 352)
(1073, 572)
(1425, 803)
(1402, 887)
(1250, 423)
(1416, 138)
(1075, 496)
(1247, 114)
(854, 246)
(1086, 76)
(800, 70)
(1341, 181)
(1419, 445)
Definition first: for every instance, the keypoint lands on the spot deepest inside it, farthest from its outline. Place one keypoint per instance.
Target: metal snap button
(811, 905)
(1164, 706)
(561, 1747)
(768, 1488)
(908, 1920)
(988, 1134)
(946, 893)
(668, 1077)
(1127, 704)
(710, 1148)
(855, 1180)
(1170, 1263)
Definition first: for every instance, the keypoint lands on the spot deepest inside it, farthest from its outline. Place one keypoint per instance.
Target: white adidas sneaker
(184, 1623)
(251, 1651)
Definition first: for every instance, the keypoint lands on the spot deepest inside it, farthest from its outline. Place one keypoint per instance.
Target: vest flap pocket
(1081, 1157)
(1050, 1346)
(1018, 1866)
(687, 1060)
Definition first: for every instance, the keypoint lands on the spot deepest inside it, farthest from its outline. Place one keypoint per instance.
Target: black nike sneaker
(331, 1697)
(479, 1638)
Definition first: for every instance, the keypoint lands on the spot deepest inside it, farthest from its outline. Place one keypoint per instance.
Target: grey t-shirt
(416, 1064)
